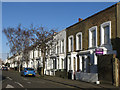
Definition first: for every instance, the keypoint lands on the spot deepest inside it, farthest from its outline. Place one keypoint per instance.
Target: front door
(74, 65)
(88, 68)
(78, 63)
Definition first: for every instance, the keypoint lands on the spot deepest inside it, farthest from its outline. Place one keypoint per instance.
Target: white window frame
(36, 53)
(69, 48)
(77, 42)
(90, 36)
(108, 23)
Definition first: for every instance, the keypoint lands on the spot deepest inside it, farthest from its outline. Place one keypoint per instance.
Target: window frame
(77, 41)
(62, 46)
(108, 23)
(69, 48)
(90, 36)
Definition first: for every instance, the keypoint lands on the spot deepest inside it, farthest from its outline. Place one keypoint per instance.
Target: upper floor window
(106, 33)
(57, 48)
(62, 46)
(79, 41)
(93, 37)
(36, 53)
(50, 51)
(70, 43)
(40, 52)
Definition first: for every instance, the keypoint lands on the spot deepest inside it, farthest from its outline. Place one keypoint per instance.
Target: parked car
(5, 68)
(28, 72)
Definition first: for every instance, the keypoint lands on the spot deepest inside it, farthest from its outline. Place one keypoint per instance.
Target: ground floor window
(54, 64)
(62, 63)
(58, 63)
(82, 64)
(69, 63)
(88, 65)
(78, 63)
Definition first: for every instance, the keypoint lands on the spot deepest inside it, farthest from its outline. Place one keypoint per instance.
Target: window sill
(78, 50)
(71, 51)
(105, 45)
(92, 47)
(61, 53)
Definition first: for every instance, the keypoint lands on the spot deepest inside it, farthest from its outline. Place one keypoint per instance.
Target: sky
(52, 15)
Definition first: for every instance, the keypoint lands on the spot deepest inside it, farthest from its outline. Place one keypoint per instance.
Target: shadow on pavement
(28, 76)
(3, 77)
(64, 84)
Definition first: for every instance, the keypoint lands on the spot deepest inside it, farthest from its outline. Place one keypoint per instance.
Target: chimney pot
(80, 19)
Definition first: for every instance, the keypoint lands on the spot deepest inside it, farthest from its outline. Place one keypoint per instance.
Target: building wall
(105, 68)
(118, 19)
(95, 20)
(116, 41)
(63, 55)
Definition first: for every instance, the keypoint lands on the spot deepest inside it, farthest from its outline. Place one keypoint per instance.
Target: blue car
(28, 72)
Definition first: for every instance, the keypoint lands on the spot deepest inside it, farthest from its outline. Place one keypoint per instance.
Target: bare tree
(43, 40)
(19, 39)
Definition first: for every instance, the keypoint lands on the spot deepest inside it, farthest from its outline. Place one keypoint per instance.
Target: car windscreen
(29, 69)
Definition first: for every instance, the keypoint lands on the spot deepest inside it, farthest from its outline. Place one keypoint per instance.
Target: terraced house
(99, 31)
(56, 58)
(35, 58)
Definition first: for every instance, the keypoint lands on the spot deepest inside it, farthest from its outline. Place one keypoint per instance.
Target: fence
(88, 77)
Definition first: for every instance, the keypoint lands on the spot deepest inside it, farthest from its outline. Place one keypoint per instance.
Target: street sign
(99, 51)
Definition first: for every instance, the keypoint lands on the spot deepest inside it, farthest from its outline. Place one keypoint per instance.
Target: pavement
(76, 83)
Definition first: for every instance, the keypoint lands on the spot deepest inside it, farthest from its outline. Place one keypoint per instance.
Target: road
(12, 79)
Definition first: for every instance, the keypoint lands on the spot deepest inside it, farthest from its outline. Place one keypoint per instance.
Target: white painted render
(57, 55)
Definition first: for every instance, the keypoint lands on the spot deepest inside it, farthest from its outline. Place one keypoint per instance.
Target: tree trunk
(27, 64)
(42, 69)
(19, 67)
(19, 64)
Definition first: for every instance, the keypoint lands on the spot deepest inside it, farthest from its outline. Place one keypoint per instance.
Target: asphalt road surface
(12, 79)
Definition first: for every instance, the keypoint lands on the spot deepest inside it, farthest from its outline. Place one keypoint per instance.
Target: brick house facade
(101, 30)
